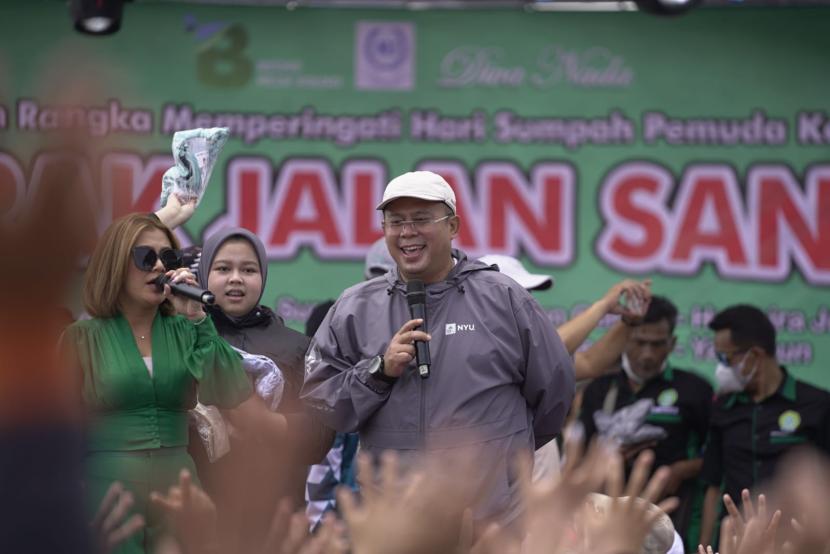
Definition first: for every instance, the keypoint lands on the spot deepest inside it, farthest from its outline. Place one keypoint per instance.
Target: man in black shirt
(766, 413)
(681, 404)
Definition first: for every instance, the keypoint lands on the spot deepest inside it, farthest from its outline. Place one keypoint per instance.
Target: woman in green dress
(142, 360)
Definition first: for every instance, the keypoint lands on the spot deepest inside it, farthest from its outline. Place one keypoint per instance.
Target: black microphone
(416, 297)
(188, 291)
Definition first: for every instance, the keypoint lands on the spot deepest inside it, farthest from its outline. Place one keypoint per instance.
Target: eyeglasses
(419, 224)
(145, 258)
(724, 357)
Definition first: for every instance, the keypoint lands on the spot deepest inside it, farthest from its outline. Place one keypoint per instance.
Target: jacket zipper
(422, 430)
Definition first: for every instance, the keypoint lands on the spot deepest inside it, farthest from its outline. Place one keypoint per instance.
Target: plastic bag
(269, 382)
(195, 152)
(212, 430)
(627, 425)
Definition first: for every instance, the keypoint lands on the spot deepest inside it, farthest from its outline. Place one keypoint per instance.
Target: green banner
(594, 146)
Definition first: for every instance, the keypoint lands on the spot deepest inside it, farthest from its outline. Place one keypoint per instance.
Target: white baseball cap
(425, 185)
(514, 269)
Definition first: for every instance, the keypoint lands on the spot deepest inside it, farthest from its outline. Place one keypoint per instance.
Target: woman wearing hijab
(270, 461)
(141, 360)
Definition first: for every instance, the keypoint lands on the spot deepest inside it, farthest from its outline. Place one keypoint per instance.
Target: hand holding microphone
(401, 349)
(416, 297)
(181, 288)
(411, 342)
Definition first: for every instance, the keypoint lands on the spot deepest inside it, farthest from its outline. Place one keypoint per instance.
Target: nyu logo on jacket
(453, 328)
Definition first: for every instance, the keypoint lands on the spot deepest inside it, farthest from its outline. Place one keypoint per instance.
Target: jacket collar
(786, 389)
(666, 375)
(462, 269)
(260, 315)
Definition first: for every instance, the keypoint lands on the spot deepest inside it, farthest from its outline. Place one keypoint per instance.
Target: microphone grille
(415, 292)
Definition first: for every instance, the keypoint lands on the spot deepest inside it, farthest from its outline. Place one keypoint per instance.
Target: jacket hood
(215, 241)
(462, 269)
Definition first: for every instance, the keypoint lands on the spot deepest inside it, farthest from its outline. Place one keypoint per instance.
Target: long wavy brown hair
(106, 274)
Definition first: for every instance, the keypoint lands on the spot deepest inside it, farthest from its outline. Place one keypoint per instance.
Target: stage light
(96, 17)
(666, 7)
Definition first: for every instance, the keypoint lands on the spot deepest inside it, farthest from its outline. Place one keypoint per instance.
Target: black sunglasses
(145, 258)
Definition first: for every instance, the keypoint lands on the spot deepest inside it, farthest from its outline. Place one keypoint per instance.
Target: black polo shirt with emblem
(682, 401)
(747, 440)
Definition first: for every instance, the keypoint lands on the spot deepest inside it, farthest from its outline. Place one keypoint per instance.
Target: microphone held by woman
(188, 291)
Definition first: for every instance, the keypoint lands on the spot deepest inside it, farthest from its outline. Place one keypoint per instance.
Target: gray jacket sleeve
(337, 384)
(549, 373)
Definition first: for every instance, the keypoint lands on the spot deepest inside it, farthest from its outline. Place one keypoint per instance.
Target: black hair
(748, 325)
(315, 318)
(659, 309)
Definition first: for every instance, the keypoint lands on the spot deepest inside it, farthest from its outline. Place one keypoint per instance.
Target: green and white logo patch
(667, 398)
(789, 421)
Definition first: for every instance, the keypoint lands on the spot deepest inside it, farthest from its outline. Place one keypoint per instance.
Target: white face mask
(726, 380)
(731, 378)
(636, 379)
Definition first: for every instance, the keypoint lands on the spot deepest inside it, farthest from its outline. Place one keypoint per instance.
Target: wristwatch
(376, 370)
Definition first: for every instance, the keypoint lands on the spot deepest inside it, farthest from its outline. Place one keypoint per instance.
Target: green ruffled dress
(138, 422)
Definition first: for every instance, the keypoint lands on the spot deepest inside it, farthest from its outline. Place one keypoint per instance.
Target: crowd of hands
(760, 526)
(426, 511)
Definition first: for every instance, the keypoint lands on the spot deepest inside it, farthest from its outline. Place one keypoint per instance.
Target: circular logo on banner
(386, 47)
(667, 398)
(789, 421)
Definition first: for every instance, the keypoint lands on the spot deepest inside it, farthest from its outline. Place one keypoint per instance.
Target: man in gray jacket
(500, 381)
